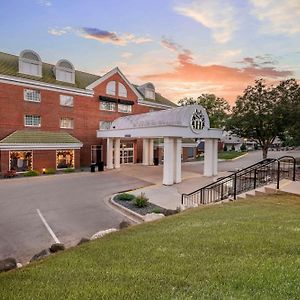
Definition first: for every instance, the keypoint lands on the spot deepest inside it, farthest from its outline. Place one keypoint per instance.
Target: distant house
(231, 141)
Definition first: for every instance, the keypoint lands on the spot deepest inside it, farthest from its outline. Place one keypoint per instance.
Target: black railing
(259, 174)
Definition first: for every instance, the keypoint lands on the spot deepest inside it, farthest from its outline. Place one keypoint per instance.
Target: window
(105, 125)
(65, 159)
(66, 100)
(20, 161)
(111, 106)
(30, 63)
(64, 71)
(33, 121)
(111, 88)
(122, 90)
(125, 108)
(150, 94)
(32, 95)
(66, 123)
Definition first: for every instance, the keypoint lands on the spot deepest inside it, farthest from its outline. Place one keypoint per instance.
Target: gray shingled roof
(39, 137)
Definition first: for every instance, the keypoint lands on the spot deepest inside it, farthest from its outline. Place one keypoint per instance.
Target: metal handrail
(262, 172)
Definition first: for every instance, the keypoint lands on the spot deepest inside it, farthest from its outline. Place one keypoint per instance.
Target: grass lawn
(230, 154)
(241, 250)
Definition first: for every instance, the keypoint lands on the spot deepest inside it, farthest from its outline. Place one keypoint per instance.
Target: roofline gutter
(147, 103)
(42, 146)
(53, 87)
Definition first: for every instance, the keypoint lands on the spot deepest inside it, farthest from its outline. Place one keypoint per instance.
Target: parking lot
(73, 205)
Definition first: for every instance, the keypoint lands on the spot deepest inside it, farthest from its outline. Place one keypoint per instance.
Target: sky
(184, 47)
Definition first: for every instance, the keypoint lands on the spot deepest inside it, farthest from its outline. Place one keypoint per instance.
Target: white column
(210, 157)
(168, 172)
(178, 150)
(109, 153)
(151, 152)
(145, 152)
(117, 153)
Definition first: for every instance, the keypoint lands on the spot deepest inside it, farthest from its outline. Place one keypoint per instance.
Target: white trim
(25, 147)
(46, 86)
(151, 104)
(108, 75)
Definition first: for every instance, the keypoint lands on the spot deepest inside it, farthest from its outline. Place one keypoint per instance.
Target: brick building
(49, 114)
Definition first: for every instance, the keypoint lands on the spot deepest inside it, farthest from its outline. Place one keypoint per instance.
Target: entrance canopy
(172, 125)
(186, 121)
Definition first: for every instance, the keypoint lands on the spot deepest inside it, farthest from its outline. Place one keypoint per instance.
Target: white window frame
(105, 125)
(150, 94)
(63, 124)
(111, 88)
(108, 106)
(122, 91)
(125, 108)
(32, 95)
(33, 117)
(63, 99)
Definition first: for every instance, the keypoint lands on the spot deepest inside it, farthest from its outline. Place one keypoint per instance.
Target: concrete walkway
(292, 187)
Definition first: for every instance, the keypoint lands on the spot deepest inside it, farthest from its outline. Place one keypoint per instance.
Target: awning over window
(40, 140)
(115, 100)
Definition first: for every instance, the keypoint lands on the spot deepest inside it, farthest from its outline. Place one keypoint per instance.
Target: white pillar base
(109, 153)
(211, 157)
(145, 152)
(117, 153)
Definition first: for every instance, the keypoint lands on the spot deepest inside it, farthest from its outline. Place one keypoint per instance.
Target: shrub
(69, 170)
(141, 201)
(125, 197)
(243, 147)
(156, 210)
(50, 171)
(225, 148)
(124, 224)
(31, 173)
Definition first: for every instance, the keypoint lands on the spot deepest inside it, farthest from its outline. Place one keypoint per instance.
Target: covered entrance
(172, 125)
(126, 152)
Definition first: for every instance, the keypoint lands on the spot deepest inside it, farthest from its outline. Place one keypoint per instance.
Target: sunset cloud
(105, 36)
(278, 17)
(218, 16)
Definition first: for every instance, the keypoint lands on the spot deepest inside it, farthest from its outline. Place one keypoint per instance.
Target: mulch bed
(140, 210)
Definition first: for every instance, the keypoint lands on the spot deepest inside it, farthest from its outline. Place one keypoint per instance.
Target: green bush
(156, 210)
(69, 170)
(31, 173)
(125, 197)
(243, 147)
(50, 171)
(141, 201)
(225, 148)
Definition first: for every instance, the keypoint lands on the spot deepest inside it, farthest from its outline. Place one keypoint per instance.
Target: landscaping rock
(44, 253)
(124, 224)
(19, 265)
(103, 233)
(57, 247)
(83, 241)
(7, 264)
(153, 217)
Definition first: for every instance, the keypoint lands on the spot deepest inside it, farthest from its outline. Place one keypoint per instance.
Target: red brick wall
(86, 114)
(4, 159)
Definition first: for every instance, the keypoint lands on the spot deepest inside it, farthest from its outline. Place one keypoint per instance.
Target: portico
(172, 125)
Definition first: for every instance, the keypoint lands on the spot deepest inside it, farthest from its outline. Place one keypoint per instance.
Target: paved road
(72, 204)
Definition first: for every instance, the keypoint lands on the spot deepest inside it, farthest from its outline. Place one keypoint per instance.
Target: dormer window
(65, 71)
(30, 63)
(111, 88)
(148, 90)
(122, 90)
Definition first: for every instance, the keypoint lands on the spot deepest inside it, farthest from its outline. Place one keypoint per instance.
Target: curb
(137, 218)
(240, 156)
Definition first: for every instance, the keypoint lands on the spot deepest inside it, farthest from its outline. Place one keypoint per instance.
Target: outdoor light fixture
(44, 171)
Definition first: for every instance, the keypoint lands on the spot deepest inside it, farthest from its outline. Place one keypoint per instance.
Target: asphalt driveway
(72, 204)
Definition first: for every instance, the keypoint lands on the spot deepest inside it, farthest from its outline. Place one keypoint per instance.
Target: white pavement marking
(48, 227)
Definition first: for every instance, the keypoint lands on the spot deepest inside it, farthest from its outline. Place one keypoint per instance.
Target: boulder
(124, 224)
(7, 264)
(153, 217)
(44, 253)
(83, 241)
(103, 233)
(57, 247)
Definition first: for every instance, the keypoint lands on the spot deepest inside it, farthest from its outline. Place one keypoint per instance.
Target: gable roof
(9, 65)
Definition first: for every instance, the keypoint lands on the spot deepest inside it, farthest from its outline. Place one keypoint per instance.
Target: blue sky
(185, 47)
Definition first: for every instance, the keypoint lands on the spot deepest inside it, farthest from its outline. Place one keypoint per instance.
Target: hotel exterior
(50, 114)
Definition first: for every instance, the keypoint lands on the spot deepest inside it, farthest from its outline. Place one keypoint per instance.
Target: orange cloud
(224, 81)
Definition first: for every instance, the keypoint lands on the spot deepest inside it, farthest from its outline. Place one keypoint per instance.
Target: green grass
(229, 154)
(241, 250)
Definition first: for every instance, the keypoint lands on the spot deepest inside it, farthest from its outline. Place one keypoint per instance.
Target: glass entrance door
(127, 153)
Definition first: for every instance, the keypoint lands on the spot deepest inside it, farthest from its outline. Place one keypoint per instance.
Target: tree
(217, 108)
(264, 112)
